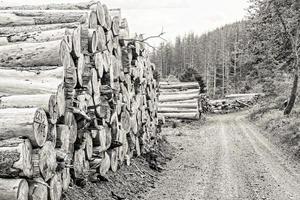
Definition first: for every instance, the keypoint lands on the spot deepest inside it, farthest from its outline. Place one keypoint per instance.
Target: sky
(175, 17)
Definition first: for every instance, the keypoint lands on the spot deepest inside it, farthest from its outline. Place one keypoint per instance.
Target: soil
(129, 182)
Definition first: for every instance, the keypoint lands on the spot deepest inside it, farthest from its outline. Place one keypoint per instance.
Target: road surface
(227, 158)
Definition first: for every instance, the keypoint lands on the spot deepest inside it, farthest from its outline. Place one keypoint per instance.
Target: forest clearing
(92, 110)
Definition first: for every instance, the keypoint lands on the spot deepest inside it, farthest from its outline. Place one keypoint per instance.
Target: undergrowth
(284, 130)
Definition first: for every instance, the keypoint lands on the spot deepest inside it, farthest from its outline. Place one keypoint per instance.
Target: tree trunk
(19, 30)
(13, 189)
(38, 189)
(45, 159)
(36, 17)
(170, 98)
(45, 101)
(15, 158)
(31, 123)
(293, 94)
(26, 55)
(37, 36)
(55, 187)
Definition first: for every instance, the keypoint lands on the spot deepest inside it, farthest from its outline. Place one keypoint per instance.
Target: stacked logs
(234, 102)
(179, 100)
(77, 99)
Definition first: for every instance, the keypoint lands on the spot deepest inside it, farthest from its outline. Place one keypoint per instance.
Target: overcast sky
(176, 17)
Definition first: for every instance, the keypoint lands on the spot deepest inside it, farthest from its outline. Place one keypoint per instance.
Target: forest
(260, 53)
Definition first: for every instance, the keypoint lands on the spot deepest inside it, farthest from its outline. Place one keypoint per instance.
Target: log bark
(15, 155)
(31, 123)
(63, 137)
(79, 162)
(45, 159)
(179, 105)
(52, 6)
(37, 36)
(15, 30)
(15, 82)
(113, 155)
(172, 91)
(61, 100)
(192, 116)
(36, 17)
(170, 98)
(45, 101)
(55, 187)
(105, 165)
(66, 178)
(38, 189)
(26, 55)
(88, 145)
(70, 121)
(176, 110)
(14, 189)
(191, 85)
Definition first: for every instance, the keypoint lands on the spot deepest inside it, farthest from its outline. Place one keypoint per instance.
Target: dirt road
(227, 158)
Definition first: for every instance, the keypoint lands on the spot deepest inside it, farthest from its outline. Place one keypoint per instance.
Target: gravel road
(227, 158)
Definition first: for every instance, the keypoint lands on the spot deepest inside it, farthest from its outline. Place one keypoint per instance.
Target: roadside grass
(283, 130)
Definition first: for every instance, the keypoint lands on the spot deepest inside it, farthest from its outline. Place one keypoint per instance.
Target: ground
(227, 158)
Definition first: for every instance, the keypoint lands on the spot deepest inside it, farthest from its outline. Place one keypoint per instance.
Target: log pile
(179, 100)
(234, 102)
(77, 98)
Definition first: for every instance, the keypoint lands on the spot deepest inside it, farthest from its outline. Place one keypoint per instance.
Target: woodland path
(227, 158)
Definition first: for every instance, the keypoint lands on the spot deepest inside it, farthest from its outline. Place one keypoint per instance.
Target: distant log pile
(233, 102)
(77, 98)
(179, 100)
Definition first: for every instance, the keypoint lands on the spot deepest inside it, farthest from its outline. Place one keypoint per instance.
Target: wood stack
(77, 98)
(233, 102)
(179, 100)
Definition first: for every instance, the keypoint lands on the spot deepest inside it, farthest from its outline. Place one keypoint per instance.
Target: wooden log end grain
(14, 189)
(55, 187)
(38, 189)
(31, 123)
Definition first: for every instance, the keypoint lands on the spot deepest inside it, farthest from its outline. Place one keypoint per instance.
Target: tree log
(37, 36)
(105, 165)
(70, 121)
(55, 187)
(19, 30)
(66, 178)
(14, 82)
(113, 155)
(192, 116)
(170, 98)
(36, 17)
(25, 55)
(38, 189)
(176, 110)
(14, 189)
(191, 85)
(45, 101)
(63, 137)
(46, 160)
(27, 122)
(172, 91)
(79, 162)
(15, 155)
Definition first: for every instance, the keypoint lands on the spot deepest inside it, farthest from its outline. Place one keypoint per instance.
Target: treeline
(218, 56)
(259, 54)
